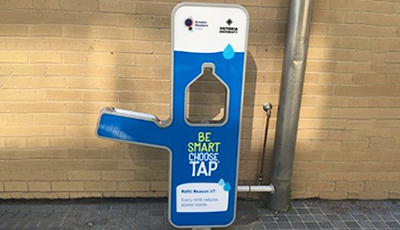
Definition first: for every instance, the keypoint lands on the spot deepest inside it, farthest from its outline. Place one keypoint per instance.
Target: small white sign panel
(201, 197)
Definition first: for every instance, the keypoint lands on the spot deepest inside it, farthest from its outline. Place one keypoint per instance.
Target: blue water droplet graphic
(221, 182)
(228, 53)
(227, 186)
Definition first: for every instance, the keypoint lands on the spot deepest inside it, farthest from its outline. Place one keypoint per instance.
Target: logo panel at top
(205, 29)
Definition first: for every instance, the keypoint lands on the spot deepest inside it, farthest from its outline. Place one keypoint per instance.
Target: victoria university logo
(228, 29)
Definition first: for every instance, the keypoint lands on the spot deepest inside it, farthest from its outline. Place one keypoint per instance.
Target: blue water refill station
(204, 155)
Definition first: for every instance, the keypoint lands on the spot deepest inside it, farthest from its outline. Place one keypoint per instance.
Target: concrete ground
(152, 214)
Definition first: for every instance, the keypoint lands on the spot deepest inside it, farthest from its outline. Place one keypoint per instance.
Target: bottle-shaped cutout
(206, 99)
(228, 53)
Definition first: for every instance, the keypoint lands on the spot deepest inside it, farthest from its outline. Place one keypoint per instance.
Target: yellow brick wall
(61, 61)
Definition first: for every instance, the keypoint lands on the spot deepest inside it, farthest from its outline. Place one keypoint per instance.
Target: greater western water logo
(200, 24)
(195, 24)
(203, 155)
(189, 23)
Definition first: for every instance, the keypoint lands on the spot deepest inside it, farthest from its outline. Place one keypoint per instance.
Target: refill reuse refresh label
(203, 156)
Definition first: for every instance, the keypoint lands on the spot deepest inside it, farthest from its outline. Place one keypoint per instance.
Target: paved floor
(152, 214)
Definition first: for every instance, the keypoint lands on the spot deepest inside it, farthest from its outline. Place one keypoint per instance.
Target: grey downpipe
(294, 65)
